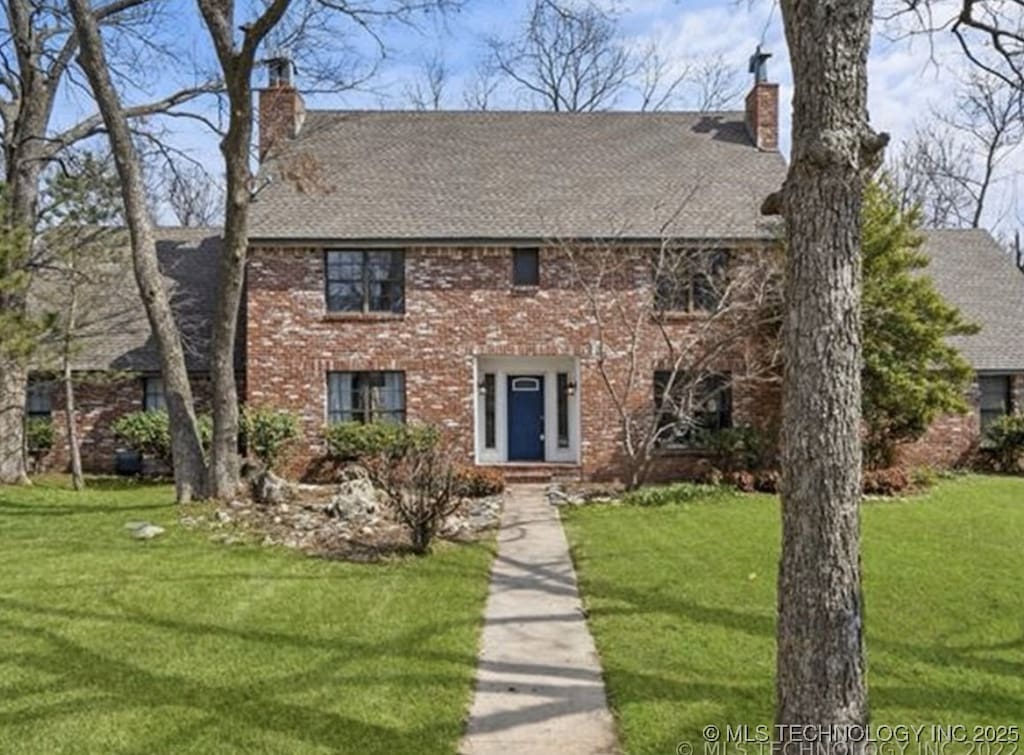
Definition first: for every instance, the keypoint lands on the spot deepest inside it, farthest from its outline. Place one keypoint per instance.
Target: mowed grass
(182, 645)
(681, 600)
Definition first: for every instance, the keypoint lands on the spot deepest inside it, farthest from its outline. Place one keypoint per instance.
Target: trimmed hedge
(352, 441)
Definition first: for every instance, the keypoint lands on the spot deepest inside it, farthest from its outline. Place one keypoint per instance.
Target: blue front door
(526, 417)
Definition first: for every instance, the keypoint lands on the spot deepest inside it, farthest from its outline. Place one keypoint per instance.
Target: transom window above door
(365, 280)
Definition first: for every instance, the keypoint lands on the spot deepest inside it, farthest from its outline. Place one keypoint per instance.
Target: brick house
(114, 356)
(432, 266)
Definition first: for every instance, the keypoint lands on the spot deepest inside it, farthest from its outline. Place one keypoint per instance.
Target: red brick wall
(762, 111)
(952, 440)
(99, 403)
(459, 304)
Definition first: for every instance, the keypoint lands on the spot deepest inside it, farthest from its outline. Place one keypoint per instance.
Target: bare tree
(727, 334)
(427, 90)
(480, 90)
(658, 81)
(236, 47)
(820, 678)
(950, 166)
(193, 196)
(568, 58)
(186, 448)
(37, 50)
(717, 84)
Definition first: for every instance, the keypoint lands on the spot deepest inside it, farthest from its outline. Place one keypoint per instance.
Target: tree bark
(820, 661)
(186, 448)
(74, 452)
(237, 65)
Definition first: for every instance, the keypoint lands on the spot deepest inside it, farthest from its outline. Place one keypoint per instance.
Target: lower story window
(689, 407)
(38, 402)
(996, 398)
(153, 397)
(365, 397)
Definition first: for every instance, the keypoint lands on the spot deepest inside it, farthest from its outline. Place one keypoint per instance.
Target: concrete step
(539, 473)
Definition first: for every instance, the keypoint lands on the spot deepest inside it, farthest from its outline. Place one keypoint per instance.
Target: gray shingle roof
(115, 333)
(516, 175)
(975, 274)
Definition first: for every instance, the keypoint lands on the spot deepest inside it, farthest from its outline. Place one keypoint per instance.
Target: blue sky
(907, 76)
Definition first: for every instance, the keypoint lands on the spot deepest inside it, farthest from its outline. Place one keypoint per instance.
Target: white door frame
(504, 366)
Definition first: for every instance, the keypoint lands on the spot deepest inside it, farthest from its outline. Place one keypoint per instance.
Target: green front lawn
(182, 645)
(681, 601)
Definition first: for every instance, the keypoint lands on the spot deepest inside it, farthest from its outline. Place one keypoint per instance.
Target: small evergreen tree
(911, 373)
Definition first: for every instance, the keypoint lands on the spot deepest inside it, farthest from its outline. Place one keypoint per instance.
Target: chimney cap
(280, 69)
(759, 65)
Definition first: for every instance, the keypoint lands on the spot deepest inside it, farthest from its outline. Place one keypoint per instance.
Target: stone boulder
(271, 490)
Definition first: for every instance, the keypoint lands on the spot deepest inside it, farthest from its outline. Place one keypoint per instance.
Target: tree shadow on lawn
(115, 685)
(955, 699)
(39, 508)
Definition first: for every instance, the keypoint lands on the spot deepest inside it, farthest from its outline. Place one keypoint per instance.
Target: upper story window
(689, 280)
(365, 397)
(691, 406)
(526, 267)
(39, 401)
(996, 398)
(365, 280)
(153, 397)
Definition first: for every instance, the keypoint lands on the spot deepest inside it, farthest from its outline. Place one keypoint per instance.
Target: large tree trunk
(236, 62)
(820, 662)
(13, 384)
(186, 449)
(235, 148)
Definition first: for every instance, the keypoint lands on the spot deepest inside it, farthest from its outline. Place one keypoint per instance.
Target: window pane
(692, 407)
(671, 281)
(489, 408)
(366, 397)
(344, 265)
(563, 410)
(526, 267)
(345, 297)
(709, 280)
(153, 399)
(384, 265)
(386, 297)
(339, 397)
(38, 401)
(995, 393)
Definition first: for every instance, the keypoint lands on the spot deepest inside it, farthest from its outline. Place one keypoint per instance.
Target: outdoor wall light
(482, 387)
(571, 388)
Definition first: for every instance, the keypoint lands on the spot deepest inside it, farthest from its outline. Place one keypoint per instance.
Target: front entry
(526, 417)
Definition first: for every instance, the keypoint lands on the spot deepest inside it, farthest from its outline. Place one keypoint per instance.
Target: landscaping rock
(271, 490)
(350, 519)
(145, 530)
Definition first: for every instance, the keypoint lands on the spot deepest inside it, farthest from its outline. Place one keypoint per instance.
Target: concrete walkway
(538, 686)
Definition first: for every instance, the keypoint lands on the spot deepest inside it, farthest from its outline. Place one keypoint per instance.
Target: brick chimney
(281, 108)
(763, 105)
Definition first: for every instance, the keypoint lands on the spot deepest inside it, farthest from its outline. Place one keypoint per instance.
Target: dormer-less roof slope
(393, 176)
(114, 332)
(976, 275)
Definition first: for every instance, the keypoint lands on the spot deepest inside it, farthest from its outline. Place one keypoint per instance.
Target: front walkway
(538, 687)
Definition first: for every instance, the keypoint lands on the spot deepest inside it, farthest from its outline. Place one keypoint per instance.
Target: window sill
(524, 290)
(363, 316)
